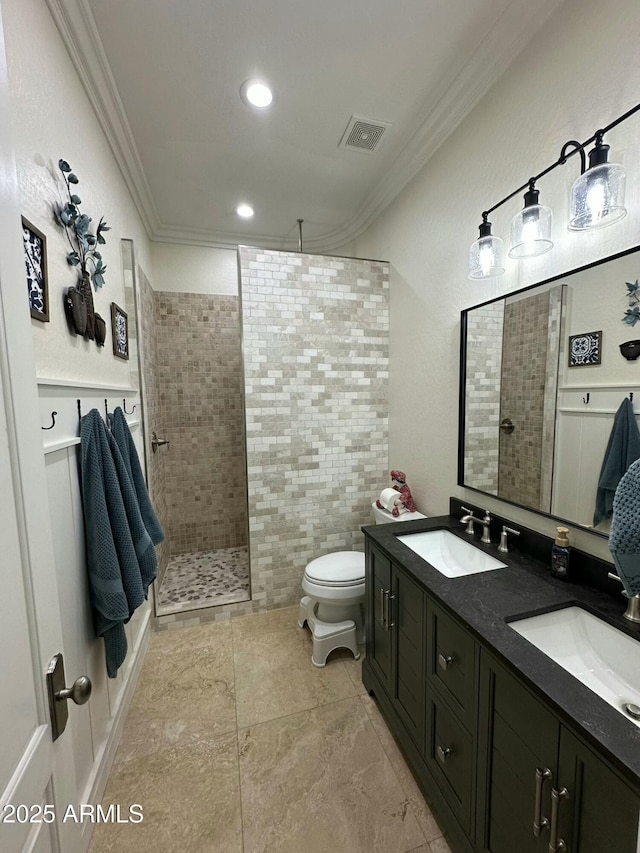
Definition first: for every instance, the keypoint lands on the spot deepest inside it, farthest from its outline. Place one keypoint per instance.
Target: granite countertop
(486, 602)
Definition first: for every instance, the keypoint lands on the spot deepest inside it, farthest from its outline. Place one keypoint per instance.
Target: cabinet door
(379, 645)
(408, 622)
(517, 755)
(451, 664)
(597, 811)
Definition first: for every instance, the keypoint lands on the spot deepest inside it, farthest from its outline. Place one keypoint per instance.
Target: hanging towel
(623, 449)
(126, 444)
(115, 535)
(624, 540)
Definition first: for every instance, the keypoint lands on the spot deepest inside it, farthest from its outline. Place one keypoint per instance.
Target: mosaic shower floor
(204, 579)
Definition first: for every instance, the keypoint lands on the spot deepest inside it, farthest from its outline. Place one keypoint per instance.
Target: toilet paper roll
(388, 498)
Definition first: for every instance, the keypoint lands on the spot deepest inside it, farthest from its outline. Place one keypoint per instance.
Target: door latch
(79, 692)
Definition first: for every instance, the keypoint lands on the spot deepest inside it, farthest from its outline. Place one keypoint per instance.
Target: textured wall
(199, 375)
(484, 364)
(315, 333)
(425, 232)
(524, 365)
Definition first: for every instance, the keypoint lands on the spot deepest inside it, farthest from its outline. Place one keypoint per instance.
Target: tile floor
(235, 743)
(204, 579)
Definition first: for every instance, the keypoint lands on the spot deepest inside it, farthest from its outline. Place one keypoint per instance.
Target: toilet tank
(383, 516)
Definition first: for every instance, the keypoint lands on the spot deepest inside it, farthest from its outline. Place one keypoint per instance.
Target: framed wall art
(585, 349)
(120, 331)
(35, 258)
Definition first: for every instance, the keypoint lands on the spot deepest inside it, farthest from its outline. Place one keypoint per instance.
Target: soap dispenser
(560, 554)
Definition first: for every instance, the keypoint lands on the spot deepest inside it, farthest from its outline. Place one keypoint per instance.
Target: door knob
(79, 692)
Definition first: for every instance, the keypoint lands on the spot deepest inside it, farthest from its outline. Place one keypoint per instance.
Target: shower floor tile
(204, 579)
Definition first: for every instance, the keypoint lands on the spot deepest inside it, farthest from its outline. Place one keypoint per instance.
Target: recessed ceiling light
(257, 94)
(244, 210)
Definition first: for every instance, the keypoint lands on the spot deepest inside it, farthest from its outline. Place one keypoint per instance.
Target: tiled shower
(275, 404)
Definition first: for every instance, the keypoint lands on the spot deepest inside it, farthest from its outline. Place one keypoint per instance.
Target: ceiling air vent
(363, 134)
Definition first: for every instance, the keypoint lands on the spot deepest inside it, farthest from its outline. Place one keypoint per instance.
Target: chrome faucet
(485, 522)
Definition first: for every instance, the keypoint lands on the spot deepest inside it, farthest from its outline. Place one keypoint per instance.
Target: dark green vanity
(514, 753)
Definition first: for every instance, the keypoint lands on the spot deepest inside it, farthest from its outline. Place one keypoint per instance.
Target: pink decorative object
(405, 502)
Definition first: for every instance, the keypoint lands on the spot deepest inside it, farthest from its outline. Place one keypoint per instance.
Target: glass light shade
(531, 232)
(597, 197)
(486, 257)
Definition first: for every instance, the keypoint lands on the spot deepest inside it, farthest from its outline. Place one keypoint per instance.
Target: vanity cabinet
(505, 774)
(395, 639)
(540, 788)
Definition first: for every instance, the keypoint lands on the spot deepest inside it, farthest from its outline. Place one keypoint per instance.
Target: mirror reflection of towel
(624, 540)
(623, 449)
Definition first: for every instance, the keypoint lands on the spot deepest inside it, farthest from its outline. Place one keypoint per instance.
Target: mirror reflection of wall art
(35, 258)
(120, 330)
(585, 349)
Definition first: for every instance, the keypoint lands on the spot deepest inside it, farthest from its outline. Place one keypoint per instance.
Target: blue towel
(623, 449)
(624, 540)
(126, 444)
(120, 554)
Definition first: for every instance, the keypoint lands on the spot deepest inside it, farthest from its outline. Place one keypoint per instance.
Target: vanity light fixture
(486, 255)
(256, 94)
(245, 211)
(597, 199)
(531, 227)
(597, 196)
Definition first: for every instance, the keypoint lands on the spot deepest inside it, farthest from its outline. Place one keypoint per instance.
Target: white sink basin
(601, 657)
(450, 554)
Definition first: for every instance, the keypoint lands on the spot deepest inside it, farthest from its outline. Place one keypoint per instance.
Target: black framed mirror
(542, 375)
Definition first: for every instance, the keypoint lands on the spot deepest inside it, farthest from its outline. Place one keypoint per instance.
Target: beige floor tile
(414, 795)
(258, 624)
(179, 640)
(189, 689)
(274, 677)
(320, 781)
(190, 798)
(439, 846)
(353, 667)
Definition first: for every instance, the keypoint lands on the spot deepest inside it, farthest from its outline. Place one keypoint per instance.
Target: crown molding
(77, 28)
(445, 110)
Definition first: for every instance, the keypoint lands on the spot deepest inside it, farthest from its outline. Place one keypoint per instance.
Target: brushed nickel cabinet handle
(539, 821)
(383, 609)
(556, 844)
(390, 598)
(444, 661)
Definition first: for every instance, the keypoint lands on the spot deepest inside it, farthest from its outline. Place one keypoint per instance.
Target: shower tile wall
(153, 420)
(484, 365)
(199, 374)
(524, 369)
(315, 335)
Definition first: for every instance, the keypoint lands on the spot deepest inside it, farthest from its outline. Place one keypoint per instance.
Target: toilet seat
(337, 570)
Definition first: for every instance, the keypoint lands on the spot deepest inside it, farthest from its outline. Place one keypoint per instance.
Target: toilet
(333, 604)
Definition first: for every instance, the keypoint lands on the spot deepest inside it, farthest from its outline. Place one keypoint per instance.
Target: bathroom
(495, 127)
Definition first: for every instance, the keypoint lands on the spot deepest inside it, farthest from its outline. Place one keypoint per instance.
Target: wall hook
(631, 396)
(124, 407)
(106, 410)
(53, 421)
(79, 404)
(586, 399)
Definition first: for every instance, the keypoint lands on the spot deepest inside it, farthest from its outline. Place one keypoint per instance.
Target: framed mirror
(542, 375)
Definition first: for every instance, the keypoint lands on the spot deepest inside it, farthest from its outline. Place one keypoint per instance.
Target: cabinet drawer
(451, 757)
(452, 663)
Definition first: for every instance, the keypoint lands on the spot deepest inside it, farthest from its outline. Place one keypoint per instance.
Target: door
(517, 755)
(595, 810)
(379, 603)
(37, 777)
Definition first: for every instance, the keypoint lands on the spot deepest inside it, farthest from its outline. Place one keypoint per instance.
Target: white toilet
(333, 605)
